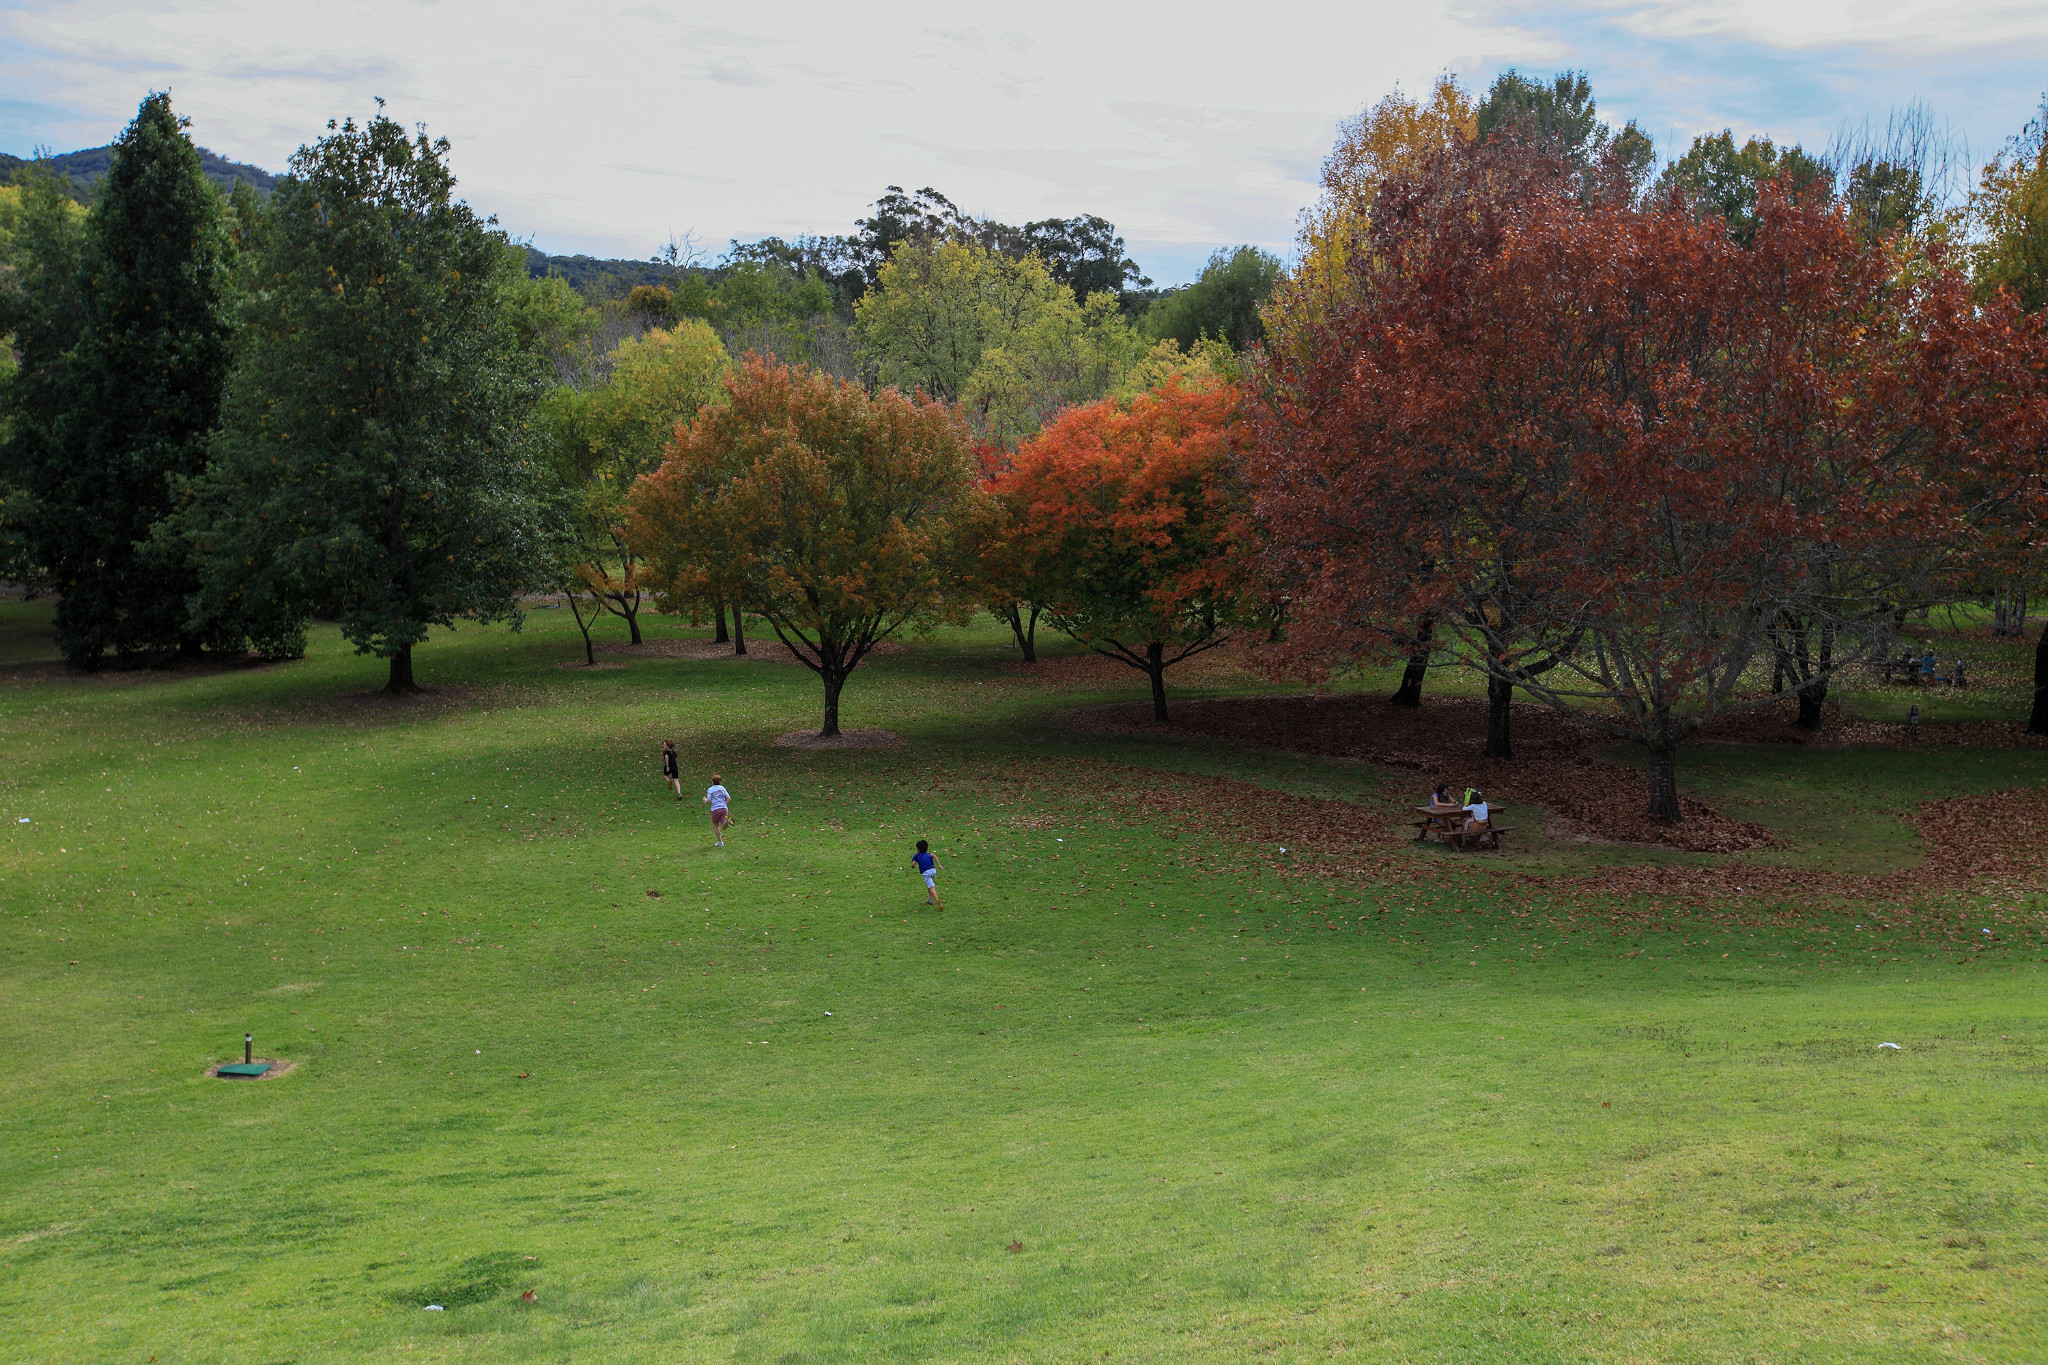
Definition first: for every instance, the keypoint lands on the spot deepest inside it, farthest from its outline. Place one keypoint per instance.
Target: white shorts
(931, 881)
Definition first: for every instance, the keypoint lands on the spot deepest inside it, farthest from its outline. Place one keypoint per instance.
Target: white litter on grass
(1893, 1046)
(1987, 931)
(1283, 848)
(22, 821)
(433, 1308)
(828, 1014)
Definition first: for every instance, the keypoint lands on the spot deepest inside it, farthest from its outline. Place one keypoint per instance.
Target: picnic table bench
(1446, 824)
(1908, 664)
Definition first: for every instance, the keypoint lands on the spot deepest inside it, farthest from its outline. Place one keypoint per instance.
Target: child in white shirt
(720, 801)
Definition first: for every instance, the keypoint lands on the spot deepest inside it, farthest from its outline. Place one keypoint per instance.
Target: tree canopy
(1128, 521)
(375, 455)
(833, 513)
(1618, 444)
(1224, 302)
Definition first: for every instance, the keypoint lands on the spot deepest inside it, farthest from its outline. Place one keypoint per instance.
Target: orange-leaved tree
(1131, 525)
(833, 513)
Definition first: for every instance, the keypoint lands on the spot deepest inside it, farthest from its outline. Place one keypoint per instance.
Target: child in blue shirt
(929, 866)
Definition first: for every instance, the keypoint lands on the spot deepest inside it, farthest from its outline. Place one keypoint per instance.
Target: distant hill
(85, 169)
(592, 275)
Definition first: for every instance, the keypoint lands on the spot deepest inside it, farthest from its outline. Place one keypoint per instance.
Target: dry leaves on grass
(1556, 762)
(1211, 668)
(759, 650)
(1994, 844)
(1773, 725)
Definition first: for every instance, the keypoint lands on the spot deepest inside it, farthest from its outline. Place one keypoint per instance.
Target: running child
(720, 801)
(929, 866)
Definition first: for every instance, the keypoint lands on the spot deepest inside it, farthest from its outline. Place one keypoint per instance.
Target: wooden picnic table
(1446, 824)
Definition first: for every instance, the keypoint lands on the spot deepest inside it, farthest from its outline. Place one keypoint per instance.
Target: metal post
(248, 1048)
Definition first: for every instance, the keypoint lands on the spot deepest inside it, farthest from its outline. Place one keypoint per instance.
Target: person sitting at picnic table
(1928, 666)
(1475, 810)
(1441, 796)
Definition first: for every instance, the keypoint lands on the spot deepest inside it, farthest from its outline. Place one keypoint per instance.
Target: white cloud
(606, 127)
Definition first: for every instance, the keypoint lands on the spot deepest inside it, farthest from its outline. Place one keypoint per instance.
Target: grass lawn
(1137, 1094)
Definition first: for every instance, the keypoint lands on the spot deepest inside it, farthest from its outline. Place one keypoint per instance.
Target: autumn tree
(375, 452)
(1618, 443)
(1132, 526)
(838, 511)
(1334, 260)
(2010, 214)
(1392, 137)
(610, 434)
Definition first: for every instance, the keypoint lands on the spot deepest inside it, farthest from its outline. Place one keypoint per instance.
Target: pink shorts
(719, 817)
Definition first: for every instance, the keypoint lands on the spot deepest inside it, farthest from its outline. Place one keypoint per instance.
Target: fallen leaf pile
(1223, 665)
(1993, 845)
(1773, 725)
(1556, 762)
(760, 649)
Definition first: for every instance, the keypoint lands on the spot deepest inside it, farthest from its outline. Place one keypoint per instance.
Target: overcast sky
(605, 127)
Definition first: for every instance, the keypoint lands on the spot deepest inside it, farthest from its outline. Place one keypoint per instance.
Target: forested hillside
(85, 169)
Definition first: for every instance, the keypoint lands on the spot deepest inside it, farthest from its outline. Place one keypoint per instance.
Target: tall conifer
(141, 391)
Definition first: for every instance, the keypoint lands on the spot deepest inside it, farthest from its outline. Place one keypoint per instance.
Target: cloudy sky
(606, 127)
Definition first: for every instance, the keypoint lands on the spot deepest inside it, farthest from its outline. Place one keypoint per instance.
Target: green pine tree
(373, 457)
(141, 394)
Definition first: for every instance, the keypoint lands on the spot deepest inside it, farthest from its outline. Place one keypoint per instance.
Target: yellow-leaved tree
(610, 434)
(1392, 137)
(1001, 337)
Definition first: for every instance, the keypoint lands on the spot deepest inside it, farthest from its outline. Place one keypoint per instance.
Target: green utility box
(242, 1070)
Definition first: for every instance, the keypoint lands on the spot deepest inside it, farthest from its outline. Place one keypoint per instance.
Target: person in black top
(669, 769)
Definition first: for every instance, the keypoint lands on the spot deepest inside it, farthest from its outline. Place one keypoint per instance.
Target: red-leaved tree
(1128, 521)
(1609, 449)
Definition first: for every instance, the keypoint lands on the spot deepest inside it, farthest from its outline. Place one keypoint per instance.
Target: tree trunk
(1813, 690)
(718, 619)
(401, 683)
(632, 615)
(739, 633)
(1409, 693)
(1664, 783)
(1810, 698)
(1500, 697)
(834, 680)
(1024, 629)
(2037, 723)
(1155, 669)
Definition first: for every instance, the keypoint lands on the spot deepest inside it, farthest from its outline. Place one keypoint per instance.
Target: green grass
(1226, 1112)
